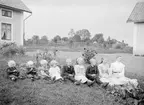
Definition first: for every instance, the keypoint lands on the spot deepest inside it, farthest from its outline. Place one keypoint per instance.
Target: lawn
(42, 92)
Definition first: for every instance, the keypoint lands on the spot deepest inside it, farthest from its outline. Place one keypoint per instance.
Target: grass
(41, 92)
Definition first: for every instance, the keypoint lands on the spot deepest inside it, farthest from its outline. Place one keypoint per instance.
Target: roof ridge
(15, 4)
(137, 14)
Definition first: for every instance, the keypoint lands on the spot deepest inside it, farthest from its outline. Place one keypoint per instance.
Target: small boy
(68, 71)
(92, 72)
(43, 69)
(31, 71)
(12, 71)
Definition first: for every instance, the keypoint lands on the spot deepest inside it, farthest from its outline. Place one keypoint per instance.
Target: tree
(88, 42)
(84, 34)
(98, 38)
(64, 39)
(35, 39)
(76, 38)
(28, 42)
(71, 43)
(56, 39)
(111, 42)
(123, 41)
(71, 33)
(108, 39)
(44, 40)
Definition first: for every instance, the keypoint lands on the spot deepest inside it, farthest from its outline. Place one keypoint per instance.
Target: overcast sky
(52, 17)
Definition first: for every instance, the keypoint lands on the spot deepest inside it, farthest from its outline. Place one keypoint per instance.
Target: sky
(57, 17)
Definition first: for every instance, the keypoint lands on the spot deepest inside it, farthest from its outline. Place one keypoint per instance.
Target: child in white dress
(118, 74)
(54, 71)
(104, 71)
(80, 71)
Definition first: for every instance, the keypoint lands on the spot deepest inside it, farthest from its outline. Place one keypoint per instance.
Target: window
(6, 13)
(5, 31)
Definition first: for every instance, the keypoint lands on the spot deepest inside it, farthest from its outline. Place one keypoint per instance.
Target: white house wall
(17, 26)
(138, 39)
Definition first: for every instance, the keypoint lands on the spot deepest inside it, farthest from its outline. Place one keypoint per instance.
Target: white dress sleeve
(111, 69)
(100, 70)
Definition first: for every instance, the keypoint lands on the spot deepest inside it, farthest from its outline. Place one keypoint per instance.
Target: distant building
(12, 21)
(137, 16)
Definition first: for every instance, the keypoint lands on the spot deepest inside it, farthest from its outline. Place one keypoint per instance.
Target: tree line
(80, 36)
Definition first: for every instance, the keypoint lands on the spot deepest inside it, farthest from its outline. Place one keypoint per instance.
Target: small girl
(12, 71)
(31, 71)
(43, 70)
(54, 71)
(80, 72)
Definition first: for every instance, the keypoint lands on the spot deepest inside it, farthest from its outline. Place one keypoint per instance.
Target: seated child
(31, 71)
(118, 74)
(80, 71)
(68, 71)
(104, 71)
(43, 69)
(54, 71)
(92, 72)
(12, 71)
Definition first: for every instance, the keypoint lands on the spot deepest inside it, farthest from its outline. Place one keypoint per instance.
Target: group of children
(102, 74)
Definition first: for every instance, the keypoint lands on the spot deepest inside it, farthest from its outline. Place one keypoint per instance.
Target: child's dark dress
(93, 70)
(67, 71)
(12, 72)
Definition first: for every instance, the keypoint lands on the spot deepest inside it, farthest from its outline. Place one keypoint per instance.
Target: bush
(11, 49)
(117, 46)
(128, 49)
(46, 55)
(88, 54)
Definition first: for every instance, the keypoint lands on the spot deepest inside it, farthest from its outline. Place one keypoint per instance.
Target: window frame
(11, 32)
(6, 10)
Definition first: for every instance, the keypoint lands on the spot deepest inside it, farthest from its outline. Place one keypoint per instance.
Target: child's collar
(93, 65)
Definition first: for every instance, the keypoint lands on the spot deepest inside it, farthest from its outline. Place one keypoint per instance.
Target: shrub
(11, 49)
(117, 46)
(21, 50)
(128, 49)
(47, 55)
(88, 54)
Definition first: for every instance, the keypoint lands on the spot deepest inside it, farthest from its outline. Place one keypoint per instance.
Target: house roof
(14, 4)
(137, 14)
